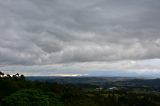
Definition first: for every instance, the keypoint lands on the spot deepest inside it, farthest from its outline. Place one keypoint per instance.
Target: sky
(80, 37)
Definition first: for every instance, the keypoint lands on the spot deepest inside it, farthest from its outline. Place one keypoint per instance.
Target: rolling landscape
(18, 90)
(79, 52)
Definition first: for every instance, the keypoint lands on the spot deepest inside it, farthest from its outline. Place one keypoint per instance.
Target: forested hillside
(16, 91)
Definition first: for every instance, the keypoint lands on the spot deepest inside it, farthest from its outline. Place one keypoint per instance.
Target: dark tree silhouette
(8, 76)
(1, 74)
(22, 77)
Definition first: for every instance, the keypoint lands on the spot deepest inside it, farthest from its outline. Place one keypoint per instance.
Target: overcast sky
(80, 37)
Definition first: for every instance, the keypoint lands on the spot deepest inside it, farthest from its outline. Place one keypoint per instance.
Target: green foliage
(16, 91)
(31, 98)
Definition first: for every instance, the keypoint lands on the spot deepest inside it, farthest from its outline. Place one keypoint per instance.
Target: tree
(22, 77)
(17, 75)
(31, 98)
(1, 74)
(8, 76)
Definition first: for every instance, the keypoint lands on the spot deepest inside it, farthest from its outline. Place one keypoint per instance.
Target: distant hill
(101, 81)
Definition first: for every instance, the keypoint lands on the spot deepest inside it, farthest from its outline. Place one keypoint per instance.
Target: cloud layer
(44, 32)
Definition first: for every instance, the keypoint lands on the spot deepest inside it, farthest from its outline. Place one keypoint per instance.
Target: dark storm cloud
(38, 32)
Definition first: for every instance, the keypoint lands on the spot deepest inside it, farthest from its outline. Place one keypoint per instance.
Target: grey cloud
(146, 68)
(38, 32)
